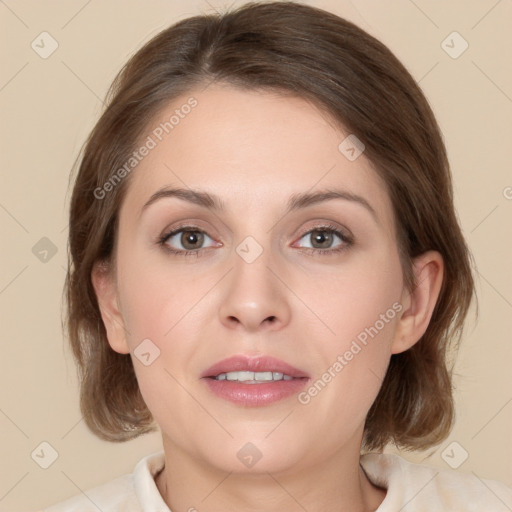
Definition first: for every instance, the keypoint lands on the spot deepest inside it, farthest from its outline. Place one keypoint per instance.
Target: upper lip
(239, 363)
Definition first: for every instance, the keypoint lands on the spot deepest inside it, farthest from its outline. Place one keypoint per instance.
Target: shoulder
(115, 495)
(133, 492)
(416, 487)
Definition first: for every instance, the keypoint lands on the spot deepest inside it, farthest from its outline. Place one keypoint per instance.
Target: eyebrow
(295, 202)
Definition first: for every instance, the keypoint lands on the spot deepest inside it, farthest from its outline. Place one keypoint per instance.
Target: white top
(410, 488)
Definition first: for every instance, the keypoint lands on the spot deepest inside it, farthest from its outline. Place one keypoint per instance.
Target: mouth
(254, 381)
(243, 368)
(254, 377)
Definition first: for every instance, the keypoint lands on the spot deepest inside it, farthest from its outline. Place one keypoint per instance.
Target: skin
(254, 150)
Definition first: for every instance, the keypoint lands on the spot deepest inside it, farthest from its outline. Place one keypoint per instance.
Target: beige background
(48, 107)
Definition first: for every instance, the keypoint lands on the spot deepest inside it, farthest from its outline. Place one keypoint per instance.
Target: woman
(265, 263)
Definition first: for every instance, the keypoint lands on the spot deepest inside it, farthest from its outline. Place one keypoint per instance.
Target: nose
(255, 297)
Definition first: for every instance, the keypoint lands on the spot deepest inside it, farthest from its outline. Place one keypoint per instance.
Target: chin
(253, 455)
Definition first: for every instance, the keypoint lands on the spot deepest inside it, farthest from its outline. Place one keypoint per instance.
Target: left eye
(323, 238)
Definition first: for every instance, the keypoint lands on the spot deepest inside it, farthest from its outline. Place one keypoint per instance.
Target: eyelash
(347, 241)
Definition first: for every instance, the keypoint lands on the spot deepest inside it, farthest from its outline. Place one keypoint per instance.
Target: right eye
(186, 240)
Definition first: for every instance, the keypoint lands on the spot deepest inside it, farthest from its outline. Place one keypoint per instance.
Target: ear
(418, 304)
(106, 292)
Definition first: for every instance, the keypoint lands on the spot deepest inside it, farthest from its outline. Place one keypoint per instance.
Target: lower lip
(254, 395)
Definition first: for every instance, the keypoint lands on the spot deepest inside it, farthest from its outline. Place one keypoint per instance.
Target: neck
(335, 485)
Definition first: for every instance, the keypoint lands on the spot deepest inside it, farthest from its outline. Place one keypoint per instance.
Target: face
(315, 283)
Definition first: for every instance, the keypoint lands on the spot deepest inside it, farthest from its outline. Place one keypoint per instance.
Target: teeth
(253, 377)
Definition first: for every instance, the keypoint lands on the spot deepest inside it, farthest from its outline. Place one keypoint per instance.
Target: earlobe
(420, 302)
(106, 294)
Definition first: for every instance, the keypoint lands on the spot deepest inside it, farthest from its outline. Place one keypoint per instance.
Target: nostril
(270, 319)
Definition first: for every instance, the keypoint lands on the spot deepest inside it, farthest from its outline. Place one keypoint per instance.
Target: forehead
(251, 148)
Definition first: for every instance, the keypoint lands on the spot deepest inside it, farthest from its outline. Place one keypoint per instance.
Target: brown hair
(304, 51)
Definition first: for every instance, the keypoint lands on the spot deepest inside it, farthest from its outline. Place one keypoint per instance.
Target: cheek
(163, 309)
(157, 306)
(363, 294)
(361, 309)
(156, 298)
